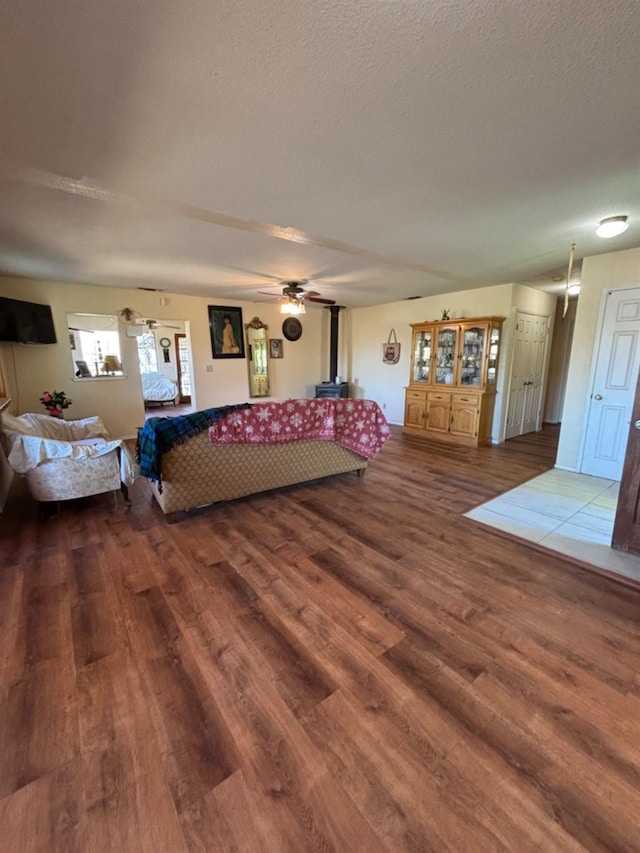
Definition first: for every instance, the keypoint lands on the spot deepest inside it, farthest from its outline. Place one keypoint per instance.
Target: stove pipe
(333, 343)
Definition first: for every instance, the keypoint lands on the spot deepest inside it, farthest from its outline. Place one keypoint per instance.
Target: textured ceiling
(381, 149)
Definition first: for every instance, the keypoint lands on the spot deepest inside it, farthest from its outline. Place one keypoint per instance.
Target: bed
(158, 389)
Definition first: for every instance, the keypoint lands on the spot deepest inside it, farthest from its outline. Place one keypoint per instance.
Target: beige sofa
(198, 473)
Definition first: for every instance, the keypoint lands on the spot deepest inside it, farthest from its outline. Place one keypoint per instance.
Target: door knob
(637, 424)
(597, 396)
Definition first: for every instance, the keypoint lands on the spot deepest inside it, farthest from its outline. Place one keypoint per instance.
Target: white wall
(30, 370)
(613, 271)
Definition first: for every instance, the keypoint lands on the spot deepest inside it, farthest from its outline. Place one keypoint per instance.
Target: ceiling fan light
(292, 304)
(574, 289)
(289, 308)
(612, 226)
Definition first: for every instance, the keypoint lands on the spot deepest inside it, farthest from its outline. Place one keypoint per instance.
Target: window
(94, 341)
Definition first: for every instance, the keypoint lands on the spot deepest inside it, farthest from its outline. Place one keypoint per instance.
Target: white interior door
(524, 410)
(614, 382)
(518, 387)
(538, 338)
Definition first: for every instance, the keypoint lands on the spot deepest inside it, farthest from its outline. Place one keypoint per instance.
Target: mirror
(94, 341)
(258, 352)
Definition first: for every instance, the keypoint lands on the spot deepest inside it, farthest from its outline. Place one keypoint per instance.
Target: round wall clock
(165, 342)
(292, 328)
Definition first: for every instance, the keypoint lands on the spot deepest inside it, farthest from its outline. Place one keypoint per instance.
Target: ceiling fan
(153, 324)
(294, 296)
(138, 323)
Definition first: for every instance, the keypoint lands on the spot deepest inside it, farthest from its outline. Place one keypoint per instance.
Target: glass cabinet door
(494, 348)
(472, 355)
(446, 356)
(422, 356)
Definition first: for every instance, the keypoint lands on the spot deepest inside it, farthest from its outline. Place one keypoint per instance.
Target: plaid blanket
(159, 435)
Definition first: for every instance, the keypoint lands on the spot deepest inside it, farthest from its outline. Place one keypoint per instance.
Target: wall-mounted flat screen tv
(26, 322)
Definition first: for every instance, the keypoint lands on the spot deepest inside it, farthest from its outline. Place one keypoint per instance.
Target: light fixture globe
(291, 303)
(612, 226)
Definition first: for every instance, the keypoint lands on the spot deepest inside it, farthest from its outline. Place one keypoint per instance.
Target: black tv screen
(26, 322)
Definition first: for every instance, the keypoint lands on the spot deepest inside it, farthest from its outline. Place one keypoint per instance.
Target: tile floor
(567, 512)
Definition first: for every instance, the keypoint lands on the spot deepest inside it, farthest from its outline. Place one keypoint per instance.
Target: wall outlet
(209, 368)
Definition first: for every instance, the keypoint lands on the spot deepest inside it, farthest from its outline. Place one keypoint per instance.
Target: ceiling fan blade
(308, 293)
(269, 293)
(321, 301)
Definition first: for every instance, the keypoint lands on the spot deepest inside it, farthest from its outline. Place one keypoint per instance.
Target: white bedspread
(33, 439)
(157, 388)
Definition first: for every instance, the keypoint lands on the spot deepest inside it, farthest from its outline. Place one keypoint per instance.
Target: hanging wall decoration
(391, 349)
(227, 331)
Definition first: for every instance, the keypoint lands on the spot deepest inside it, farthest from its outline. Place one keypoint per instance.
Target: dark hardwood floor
(348, 665)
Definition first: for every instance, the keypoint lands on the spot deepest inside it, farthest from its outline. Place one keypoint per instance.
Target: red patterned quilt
(358, 425)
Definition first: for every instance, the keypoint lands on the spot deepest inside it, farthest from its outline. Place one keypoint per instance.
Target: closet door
(524, 411)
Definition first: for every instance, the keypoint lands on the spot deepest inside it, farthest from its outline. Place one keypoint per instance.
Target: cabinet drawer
(416, 395)
(466, 398)
(436, 395)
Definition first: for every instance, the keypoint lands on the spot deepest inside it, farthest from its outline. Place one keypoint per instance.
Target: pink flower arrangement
(54, 402)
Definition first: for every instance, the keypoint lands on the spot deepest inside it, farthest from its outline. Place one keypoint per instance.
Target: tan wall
(613, 271)
(559, 363)
(169, 369)
(369, 327)
(30, 370)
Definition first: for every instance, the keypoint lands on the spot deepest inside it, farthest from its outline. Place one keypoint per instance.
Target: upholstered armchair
(62, 460)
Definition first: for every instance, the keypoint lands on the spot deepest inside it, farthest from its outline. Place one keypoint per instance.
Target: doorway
(164, 356)
(617, 363)
(524, 409)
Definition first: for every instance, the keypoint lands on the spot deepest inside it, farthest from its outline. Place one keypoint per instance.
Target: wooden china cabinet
(452, 385)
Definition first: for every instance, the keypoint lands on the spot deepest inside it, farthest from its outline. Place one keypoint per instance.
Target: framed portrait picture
(227, 331)
(275, 348)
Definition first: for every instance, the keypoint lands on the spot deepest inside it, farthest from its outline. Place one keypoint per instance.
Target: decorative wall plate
(292, 328)
(165, 342)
